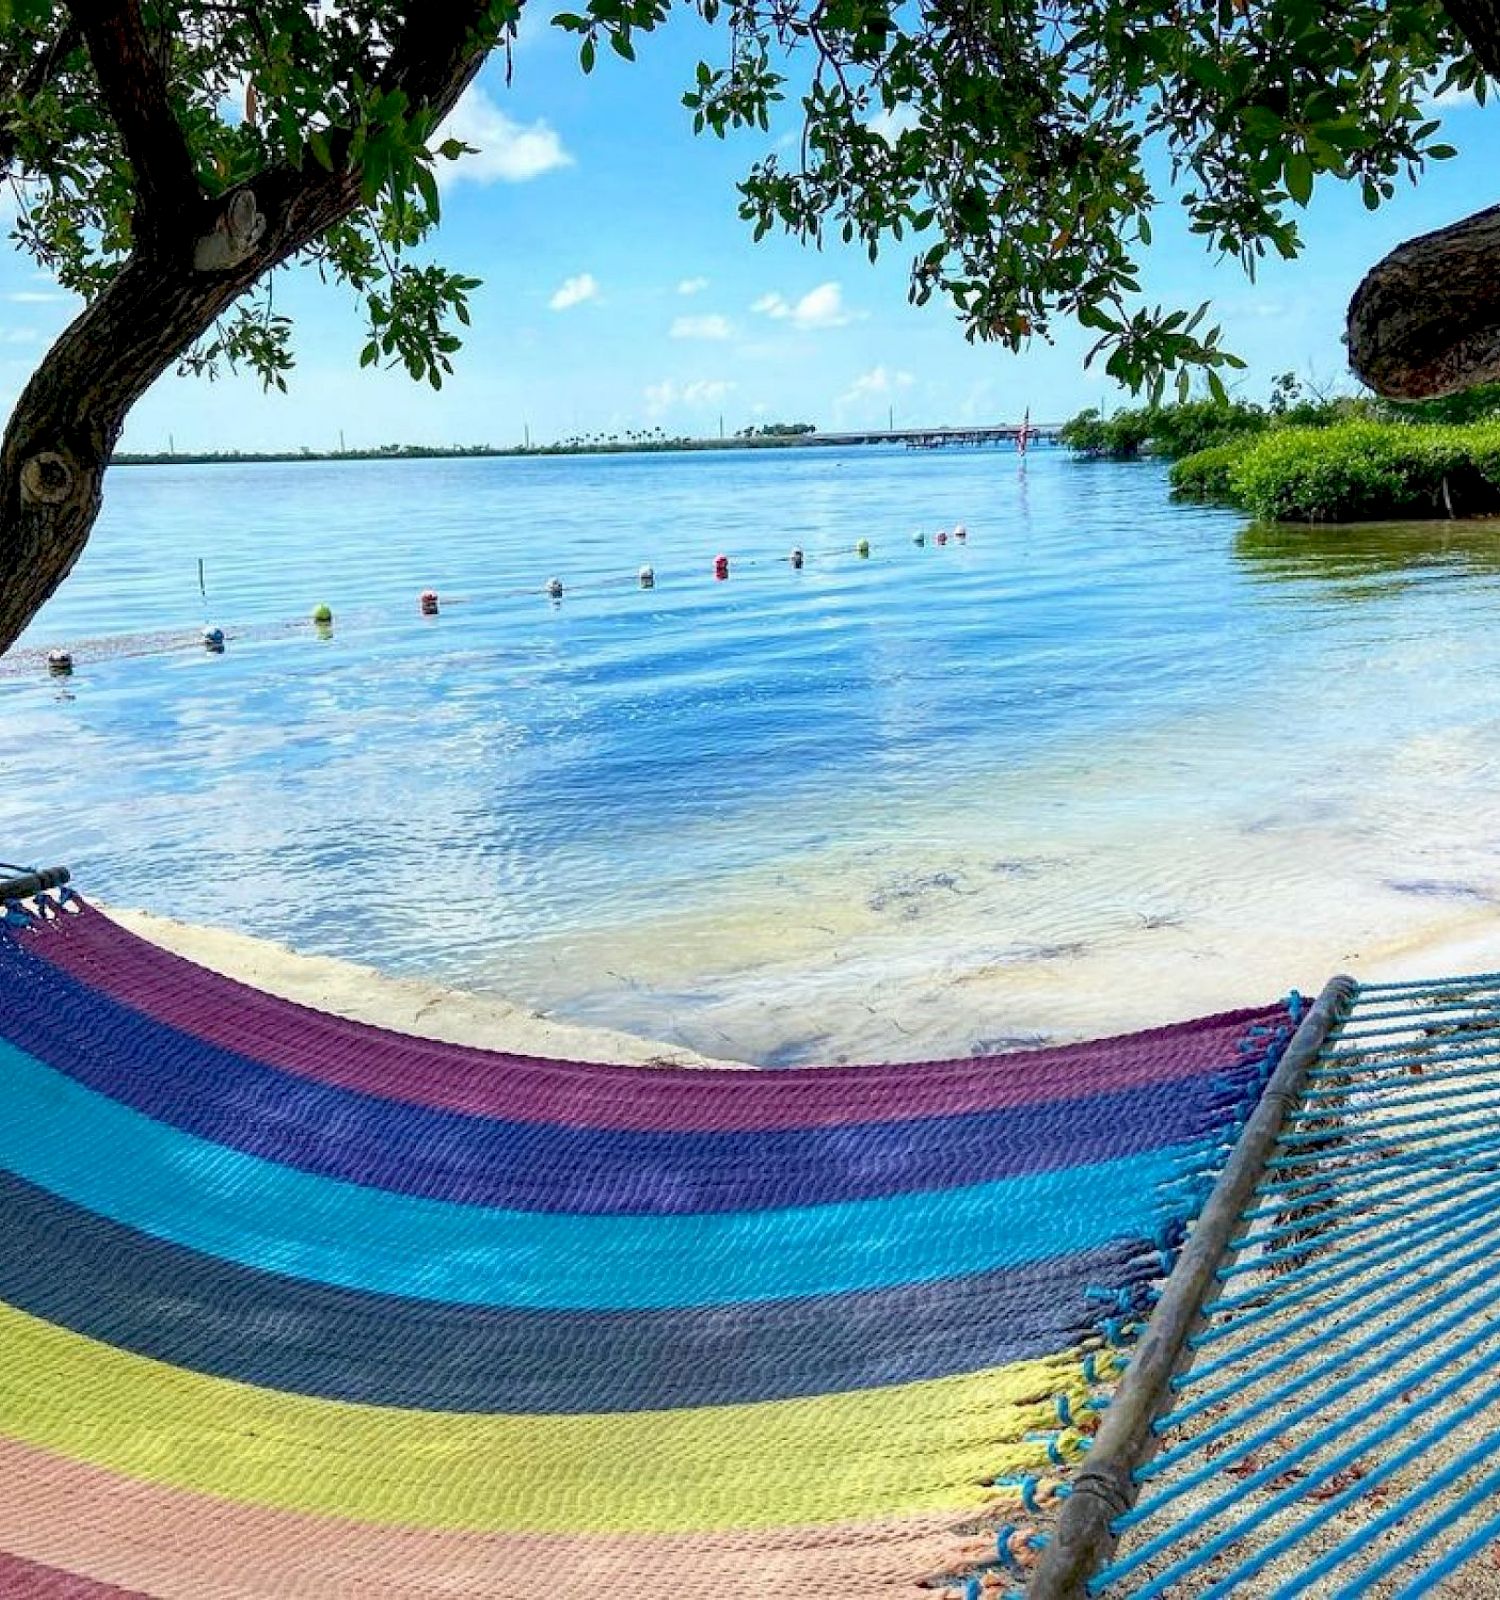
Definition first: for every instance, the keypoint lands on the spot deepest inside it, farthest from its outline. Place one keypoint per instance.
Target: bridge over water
(939, 438)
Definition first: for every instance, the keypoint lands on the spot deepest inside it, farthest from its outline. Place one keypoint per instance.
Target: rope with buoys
(60, 663)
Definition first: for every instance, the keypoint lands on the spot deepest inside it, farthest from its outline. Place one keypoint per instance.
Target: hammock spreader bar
(1339, 1432)
(1104, 1488)
(30, 883)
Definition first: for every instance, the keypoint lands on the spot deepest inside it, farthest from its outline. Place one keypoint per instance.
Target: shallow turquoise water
(1103, 717)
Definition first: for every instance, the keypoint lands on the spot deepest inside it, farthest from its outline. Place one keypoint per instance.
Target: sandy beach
(405, 1005)
(867, 1013)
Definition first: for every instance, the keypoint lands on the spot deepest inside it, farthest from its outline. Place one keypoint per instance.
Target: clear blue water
(1103, 714)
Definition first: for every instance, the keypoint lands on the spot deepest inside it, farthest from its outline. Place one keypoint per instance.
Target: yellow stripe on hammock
(916, 1447)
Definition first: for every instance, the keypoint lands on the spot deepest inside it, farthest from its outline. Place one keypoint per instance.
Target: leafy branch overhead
(250, 93)
(1019, 148)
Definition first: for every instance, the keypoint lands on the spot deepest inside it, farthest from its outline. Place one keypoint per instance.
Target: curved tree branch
(134, 85)
(68, 419)
(1426, 320)
(1479, 22)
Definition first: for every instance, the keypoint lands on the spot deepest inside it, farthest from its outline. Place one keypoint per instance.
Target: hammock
(289, 1304)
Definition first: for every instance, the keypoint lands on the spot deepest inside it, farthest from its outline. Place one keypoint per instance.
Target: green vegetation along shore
(1308, 459)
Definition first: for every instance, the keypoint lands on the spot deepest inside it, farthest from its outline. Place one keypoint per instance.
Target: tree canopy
(170, 156)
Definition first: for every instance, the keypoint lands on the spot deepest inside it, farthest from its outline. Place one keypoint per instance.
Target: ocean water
(1109, 760)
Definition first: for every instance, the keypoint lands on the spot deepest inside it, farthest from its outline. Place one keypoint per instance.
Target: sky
(621, 291)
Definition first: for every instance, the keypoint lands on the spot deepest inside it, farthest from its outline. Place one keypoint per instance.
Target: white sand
(407, 1005)
(889, 1006)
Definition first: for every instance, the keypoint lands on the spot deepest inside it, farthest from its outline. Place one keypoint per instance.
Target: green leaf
(1299, 177)
(428, 188)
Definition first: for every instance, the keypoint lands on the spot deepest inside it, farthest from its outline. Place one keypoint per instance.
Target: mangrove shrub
(1356, 471)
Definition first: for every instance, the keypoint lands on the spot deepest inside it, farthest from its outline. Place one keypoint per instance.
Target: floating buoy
(795, 558)
(427, 602)
(648, 578)
(555, 588)
(919, 537)
(960, 531)
(862, 549)
(322, 615)
(59, 663)
(213, 639)
(721, 566)
(942, 537)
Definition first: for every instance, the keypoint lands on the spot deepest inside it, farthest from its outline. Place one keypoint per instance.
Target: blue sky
(622, 291)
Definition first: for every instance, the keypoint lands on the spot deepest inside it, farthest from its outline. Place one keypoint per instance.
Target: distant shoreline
(969, 438)
(420, 452)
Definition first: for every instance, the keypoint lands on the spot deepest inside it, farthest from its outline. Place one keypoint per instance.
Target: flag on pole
(1023, 438)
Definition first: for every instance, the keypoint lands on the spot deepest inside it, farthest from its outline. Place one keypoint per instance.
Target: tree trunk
(68, 419)
(1426, 319)
(1479, 20)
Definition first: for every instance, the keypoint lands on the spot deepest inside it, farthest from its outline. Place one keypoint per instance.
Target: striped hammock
(292, 1305)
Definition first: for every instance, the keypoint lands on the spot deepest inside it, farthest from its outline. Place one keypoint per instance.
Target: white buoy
(795, 558)
(648, 578)
(960, 531)
(555, 588)
(213, 639)
(919, 537)
(59, 662)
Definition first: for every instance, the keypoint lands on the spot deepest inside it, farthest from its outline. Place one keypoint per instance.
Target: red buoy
(428, 602)
(721, 566)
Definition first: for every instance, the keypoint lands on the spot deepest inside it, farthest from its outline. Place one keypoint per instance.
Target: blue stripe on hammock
(115, 1161)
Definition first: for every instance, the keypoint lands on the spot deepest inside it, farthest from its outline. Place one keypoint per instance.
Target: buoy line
(60, 663)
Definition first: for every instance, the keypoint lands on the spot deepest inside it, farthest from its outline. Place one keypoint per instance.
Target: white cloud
(822, 307)
(692, 286)
(872, 392)
(36, 297)
(507, 151)
(575, 291)
(666, 395)
(705, 327)
(890, 125)
(879, 383)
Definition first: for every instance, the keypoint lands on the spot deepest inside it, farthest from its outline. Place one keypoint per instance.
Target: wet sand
(1059, 906)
